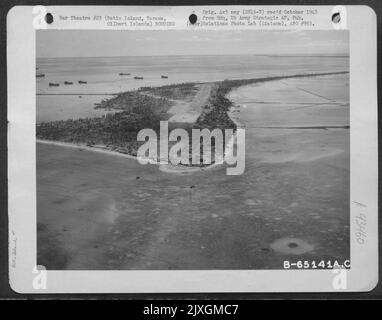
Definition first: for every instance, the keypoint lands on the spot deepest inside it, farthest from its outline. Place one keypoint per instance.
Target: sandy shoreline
(85, 147)
(168, 168)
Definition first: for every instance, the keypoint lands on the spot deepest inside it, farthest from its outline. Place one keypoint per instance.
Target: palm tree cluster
(179, 91)
(215, 113)
(132, 99)
(116, 131)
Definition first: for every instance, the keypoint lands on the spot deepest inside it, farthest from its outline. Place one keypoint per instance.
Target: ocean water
(102, 76)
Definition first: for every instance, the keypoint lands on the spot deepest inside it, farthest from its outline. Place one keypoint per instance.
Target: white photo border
(21, 62)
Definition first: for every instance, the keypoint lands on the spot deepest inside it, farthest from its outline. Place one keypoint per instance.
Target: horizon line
(328, 55)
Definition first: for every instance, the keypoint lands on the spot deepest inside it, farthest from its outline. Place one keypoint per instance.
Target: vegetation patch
(215, 112)
(182, 91)
(132, 99)
(116, 131)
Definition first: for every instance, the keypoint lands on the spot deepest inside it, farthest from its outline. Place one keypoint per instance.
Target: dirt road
(188, 112)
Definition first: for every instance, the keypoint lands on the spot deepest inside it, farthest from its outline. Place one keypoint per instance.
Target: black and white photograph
(203, 149)
(99, 208)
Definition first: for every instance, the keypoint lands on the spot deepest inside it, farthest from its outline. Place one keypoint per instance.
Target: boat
(40, 75)
(68, 82)
(138, 78)
(164, 77)
(82, 82)
(124, 74)
(51, 84)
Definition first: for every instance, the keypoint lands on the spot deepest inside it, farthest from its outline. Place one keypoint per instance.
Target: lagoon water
(102, 76)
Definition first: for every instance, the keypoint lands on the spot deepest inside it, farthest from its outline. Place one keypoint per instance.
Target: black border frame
(5, 290)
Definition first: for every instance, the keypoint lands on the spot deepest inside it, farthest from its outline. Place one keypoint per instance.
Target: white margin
(363, 275)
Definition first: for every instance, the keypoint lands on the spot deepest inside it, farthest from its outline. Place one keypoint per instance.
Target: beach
(99, 211)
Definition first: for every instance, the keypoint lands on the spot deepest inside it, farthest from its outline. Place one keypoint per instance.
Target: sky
(105, 43)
